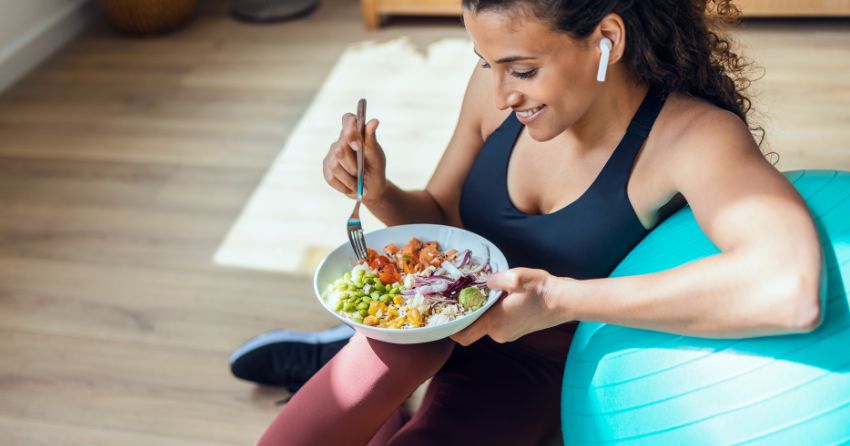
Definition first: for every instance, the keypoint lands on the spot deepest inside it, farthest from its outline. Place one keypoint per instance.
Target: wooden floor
(123, 163)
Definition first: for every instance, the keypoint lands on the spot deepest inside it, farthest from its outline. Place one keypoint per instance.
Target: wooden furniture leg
(371, 15)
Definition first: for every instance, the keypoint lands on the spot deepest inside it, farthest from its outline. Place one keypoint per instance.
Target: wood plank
(794, 8)
(749, 8)
(132, 382)
(15, 431)
(417, 7)
(214, 310)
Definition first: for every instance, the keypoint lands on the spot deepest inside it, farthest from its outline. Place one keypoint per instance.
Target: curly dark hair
(675, 45)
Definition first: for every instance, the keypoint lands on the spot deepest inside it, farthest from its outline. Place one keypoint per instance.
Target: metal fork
(355, 231)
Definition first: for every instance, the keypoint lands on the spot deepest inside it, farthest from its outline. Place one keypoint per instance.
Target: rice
(445, 313)
(332, 296)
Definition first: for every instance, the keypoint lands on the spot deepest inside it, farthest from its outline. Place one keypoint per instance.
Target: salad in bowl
(426, 283)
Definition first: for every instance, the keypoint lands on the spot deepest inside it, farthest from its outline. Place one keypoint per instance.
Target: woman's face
(547, 78)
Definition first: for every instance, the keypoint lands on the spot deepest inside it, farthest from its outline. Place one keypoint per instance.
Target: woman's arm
(438, 202)
(765, 281)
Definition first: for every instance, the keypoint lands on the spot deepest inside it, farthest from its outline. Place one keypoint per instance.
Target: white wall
(31, 30)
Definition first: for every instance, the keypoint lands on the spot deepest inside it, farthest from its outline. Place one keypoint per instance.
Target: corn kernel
(370, 320)
(373, 308)
(398, 300)
(414, 316)
(397, 322)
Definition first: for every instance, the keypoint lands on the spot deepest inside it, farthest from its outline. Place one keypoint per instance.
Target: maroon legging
(486, 393)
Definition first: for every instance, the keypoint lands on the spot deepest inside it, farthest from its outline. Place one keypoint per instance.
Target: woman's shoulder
(686, 118)
(698, 141)
(691, 135)
(692, 129)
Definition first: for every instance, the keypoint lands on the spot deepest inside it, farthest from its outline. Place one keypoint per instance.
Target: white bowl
(342, 259)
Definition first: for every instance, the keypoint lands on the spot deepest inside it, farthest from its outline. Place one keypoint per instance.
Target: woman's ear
(613, 28)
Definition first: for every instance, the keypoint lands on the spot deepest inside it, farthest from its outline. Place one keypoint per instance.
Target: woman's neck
(605, 121)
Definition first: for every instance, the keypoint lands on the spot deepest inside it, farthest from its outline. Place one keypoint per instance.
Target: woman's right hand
(340, 164)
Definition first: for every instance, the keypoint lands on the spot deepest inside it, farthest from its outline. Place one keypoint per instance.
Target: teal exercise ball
(638, 387)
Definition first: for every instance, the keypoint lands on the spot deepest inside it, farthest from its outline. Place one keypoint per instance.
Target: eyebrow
(508, 59)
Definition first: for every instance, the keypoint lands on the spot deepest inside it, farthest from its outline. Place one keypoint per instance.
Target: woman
(566, 174)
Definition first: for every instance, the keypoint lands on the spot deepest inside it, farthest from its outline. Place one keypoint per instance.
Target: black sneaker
(287, 358)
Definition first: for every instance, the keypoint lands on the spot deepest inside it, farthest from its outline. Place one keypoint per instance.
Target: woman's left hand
(526, 306)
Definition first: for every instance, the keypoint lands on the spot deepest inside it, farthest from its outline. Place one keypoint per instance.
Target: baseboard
(32, 48)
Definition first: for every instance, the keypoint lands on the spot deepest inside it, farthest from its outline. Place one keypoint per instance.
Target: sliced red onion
(432, 281)
(432, 289)
(484, 263)
(458, 285)
(467, 256)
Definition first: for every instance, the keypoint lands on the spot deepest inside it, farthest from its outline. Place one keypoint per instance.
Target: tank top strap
(642, 123)
(619, 168)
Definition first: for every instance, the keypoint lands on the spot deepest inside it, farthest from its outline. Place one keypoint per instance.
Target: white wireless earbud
(605, 46)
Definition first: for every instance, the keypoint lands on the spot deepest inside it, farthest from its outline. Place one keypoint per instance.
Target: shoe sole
(337, 333)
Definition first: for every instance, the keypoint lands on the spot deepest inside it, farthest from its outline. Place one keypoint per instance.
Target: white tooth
(527, 113)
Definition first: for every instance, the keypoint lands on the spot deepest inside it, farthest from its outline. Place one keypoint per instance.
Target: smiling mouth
(530, 112)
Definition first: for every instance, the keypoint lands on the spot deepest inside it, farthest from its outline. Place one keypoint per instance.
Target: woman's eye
(516, 74)
(524, 74)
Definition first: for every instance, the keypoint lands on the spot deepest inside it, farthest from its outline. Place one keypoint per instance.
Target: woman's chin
(541, 134)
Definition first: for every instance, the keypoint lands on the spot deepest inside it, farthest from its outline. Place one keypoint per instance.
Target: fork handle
(361, 156)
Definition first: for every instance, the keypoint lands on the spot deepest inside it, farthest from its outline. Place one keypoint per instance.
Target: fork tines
(356, 238)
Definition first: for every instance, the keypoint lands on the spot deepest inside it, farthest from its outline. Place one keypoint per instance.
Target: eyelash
(516, 74)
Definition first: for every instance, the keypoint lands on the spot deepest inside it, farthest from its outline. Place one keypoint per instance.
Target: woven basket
(148, 16)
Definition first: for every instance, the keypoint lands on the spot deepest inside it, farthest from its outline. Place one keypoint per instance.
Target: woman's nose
(506, 98)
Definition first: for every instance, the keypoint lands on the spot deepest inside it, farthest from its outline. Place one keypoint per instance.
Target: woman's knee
(420, 360)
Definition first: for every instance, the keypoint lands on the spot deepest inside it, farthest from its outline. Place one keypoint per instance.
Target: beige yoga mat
(294, 218)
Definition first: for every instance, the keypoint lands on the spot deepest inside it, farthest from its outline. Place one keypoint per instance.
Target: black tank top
(587, 238)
